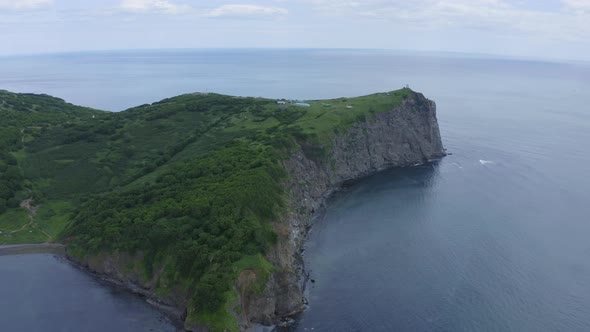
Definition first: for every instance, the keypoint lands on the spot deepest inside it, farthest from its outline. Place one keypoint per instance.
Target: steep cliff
(200, 202)
(404, 136)
(330, 146)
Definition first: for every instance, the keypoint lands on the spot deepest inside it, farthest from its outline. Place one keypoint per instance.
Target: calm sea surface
(41, 292)
(493, 238)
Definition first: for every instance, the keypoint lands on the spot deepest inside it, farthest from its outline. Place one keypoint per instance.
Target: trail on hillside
(32, 211)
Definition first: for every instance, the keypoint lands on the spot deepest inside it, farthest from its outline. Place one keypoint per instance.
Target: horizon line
(496, 56)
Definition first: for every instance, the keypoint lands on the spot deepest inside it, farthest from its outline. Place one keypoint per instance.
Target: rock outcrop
(405, 136)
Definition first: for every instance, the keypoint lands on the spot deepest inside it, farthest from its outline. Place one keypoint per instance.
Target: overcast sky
(530, 28)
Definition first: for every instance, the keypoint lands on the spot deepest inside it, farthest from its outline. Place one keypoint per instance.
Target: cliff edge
(403, 136)
(199, 202)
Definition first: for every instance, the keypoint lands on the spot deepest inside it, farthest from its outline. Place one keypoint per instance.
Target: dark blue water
(40, 292)
(493, 238)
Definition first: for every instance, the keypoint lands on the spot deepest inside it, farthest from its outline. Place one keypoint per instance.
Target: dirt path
(27, 205)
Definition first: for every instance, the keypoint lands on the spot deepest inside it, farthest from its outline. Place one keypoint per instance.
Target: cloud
(414, 9)
(246, 11)
(498, 17)
(153, 6)
(24, 4)
(577, 6)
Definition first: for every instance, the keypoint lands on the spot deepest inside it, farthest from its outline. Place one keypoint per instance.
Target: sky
(552, 29)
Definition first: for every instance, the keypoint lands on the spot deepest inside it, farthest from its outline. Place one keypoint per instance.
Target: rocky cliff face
(404, 136)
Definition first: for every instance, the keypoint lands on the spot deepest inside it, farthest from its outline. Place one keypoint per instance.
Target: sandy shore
(14, 249)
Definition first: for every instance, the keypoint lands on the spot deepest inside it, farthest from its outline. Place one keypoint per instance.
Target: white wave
(485, 162)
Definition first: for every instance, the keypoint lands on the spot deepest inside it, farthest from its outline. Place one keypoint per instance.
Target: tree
(2, 205)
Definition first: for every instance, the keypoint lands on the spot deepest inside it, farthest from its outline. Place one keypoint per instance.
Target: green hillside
(190, 184)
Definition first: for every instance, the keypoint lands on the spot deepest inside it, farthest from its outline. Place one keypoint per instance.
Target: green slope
(189, 184)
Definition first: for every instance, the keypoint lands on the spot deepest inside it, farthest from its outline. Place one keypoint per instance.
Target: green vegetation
(55, 216)
(222, 318)
(192, 183)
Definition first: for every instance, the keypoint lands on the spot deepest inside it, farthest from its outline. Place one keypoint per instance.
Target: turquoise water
(493, 238)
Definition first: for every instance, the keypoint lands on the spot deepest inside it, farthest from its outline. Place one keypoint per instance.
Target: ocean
(492, 238)
(44, 293)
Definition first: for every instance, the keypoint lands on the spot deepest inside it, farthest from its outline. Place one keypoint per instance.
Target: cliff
(404, 136)
(199, 202)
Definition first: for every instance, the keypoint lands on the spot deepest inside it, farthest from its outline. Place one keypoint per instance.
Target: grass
(20, 155)
(325, 121)
(261, 267)
(17, 220)
(12, 220)
(222, 319)
(53, 216)
(27, 235)
(50, 220)
(318, 121)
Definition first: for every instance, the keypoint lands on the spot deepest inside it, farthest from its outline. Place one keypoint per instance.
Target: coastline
(363, 149)
(33, 248)
(175, 315)
(324, 201)
(60, 251)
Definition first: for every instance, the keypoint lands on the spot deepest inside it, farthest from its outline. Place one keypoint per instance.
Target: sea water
(492, 238)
